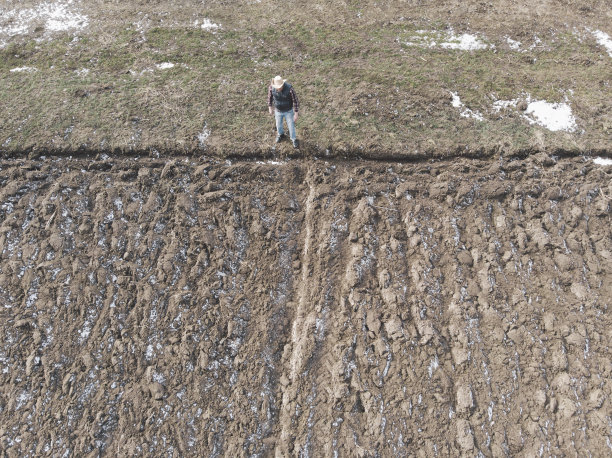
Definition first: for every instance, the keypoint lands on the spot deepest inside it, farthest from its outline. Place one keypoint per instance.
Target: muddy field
(305, 308)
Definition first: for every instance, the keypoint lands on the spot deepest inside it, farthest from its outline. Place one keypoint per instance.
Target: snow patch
(165, 65)
(141, 73)
(503, 104)
(22, 399)
(464, 42)
(159, 378)
(604, 40)
(514, 45)
(208, 25)
(433, 365)
(537, 43)
(602, 161)
(203, 136)
(272, 162)
(53, 16)
(23, 69)
(448, 40)
(84, 333)
(465, 112)
(553, 116)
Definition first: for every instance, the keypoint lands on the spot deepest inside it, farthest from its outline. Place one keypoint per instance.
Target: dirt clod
(156, 390)
(203, 308)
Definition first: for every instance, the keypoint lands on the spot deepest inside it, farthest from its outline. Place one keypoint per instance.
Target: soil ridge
(304, 153)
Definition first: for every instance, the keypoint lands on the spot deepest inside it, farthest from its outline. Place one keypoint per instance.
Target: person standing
(283, 103)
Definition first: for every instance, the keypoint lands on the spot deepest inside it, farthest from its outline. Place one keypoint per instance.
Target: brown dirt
(305, 308)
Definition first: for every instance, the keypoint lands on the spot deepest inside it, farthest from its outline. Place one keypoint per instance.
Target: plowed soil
(305, 308)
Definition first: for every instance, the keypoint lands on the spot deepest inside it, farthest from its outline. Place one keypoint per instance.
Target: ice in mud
(304, 308)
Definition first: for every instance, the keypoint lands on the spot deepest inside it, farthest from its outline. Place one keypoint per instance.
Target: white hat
(278, 82)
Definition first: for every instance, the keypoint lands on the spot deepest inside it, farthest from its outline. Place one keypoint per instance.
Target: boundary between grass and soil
(302, 154)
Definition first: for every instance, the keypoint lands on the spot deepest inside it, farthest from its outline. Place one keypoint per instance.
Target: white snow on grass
(165, 65)
(137, 74)
(514, 45)
(271, 162)
(465, 112)
(53, 16)
(203, 136)
(208, 25)
(60, 19)
(602, 161)
(23, 69)
(553, 116)
(162, 66)
(604, 40)
(503, 104)
(464, 42)
(447, 40)
(537, 43)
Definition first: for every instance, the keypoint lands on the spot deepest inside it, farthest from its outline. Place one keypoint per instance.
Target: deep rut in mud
(306, 308)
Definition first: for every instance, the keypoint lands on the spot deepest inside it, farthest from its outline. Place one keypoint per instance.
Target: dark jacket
(284, 99)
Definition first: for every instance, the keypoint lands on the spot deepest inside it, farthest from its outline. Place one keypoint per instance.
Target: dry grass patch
(155, 78)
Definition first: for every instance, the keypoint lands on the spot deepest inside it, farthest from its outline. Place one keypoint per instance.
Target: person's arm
(270, 100)
(296, 104)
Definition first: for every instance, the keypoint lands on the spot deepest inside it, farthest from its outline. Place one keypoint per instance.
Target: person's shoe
(279, 138)
(295, 143)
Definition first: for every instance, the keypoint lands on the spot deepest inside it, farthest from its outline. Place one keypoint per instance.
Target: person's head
(278, 82)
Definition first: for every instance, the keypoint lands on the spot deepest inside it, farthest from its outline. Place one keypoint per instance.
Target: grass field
(133, 77)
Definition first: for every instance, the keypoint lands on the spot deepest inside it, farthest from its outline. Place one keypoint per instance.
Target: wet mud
(307, 308)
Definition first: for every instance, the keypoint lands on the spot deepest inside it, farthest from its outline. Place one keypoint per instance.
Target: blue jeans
(288, 116)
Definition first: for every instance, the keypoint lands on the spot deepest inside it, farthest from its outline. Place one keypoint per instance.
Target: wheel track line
(300, 330)
(299, 324)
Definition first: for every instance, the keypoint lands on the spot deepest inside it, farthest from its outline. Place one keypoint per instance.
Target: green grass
(340, 73)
